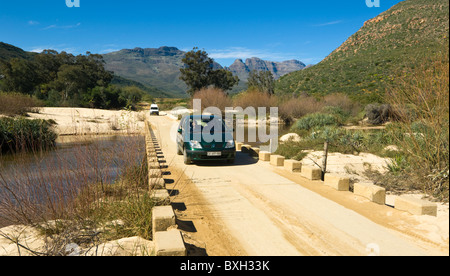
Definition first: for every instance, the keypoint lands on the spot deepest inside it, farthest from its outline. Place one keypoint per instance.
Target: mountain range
(278, 69)
(160, 68)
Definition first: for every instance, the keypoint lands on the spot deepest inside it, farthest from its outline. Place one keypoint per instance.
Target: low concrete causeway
(168, 240)
(369, 190)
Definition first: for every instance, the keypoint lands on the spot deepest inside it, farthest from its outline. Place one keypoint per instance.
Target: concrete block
(277, 160)
(163, 217)
(264, 155)
(370, 191)
(311, 172)
(416, 206)
(239, 146)
(155, 173)
(293, 165)
(154, 166)
(161, 196)
(169, 244)
(157, 183)
(152, 159)
(337, 182)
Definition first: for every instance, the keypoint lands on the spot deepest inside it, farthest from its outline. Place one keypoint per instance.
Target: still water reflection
(35, 178)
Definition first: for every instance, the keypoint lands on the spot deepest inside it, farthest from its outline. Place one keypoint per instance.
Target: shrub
(255, 98)
(314, 121)
(422, 105)
(22, 134)
(292, 150)
(378, 114)
(213, 97)
(294, 108)
(343, 102)
(17, 104)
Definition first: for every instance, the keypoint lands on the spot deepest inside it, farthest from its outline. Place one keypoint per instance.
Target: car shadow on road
(242, 159)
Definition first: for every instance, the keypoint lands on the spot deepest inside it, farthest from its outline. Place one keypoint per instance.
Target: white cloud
(106, 51)
(37, 50)
(329, 23)
(244, 53)
(54, 26)
(32, 22)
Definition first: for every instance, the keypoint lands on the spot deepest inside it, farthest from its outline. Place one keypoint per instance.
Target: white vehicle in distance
(154, 110)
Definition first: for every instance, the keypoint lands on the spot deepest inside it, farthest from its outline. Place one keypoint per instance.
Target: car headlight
(195, 144)
(230, 144)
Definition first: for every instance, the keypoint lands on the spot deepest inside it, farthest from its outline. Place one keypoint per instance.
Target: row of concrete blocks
(368, 190)
(168, 240)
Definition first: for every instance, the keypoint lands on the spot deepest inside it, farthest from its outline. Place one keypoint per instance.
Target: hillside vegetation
(156, 68)
(388, 45)
(8, 52)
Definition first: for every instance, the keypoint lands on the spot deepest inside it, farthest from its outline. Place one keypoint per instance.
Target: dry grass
(255, 98)
(290, 109)
(422, 107)
(298, 107)
(12, 104)
(213, 97)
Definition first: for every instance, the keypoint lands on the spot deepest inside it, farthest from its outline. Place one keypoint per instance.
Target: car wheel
(187, 160)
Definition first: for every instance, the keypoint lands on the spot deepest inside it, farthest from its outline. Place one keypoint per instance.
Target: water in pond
(35, 177)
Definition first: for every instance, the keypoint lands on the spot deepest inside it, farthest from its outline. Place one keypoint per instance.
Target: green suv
(203, 138)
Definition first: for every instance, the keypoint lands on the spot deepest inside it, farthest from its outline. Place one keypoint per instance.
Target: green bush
(314, 121)
(22, 134)
(378, 114)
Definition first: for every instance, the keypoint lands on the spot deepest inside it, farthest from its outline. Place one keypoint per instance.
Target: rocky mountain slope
(159, 67)
(278, 69)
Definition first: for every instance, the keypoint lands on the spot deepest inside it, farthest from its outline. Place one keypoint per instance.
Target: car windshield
(209, 124)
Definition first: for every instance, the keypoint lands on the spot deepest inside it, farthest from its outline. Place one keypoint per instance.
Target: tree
(131, 95)
(198, 73)
(19, 75)
(70, 81)
(262, 81)
(223, 79)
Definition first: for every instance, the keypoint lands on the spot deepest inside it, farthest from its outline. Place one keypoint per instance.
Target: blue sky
(227, 30)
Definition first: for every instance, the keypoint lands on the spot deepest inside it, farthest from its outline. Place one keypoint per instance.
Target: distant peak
(168, 48)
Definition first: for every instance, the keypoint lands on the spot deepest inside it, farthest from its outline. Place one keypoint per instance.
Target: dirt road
(253, 209)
